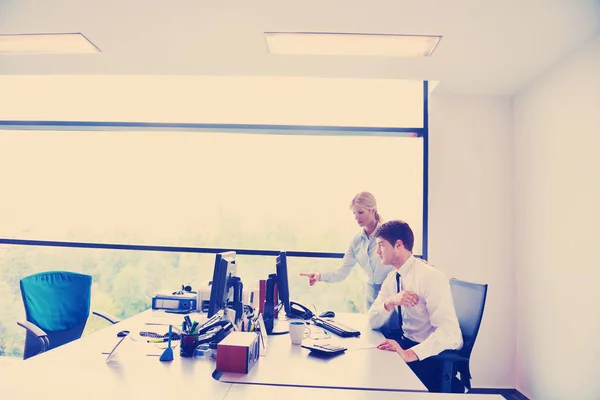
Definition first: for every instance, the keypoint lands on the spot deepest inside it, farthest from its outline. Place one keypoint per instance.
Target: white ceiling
(492, 47)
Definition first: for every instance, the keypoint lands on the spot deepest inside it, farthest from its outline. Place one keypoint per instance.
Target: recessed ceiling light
(47, 43)
(351, 44)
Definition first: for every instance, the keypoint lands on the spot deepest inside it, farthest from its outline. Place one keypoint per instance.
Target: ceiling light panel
(351, 44)
(54, 43)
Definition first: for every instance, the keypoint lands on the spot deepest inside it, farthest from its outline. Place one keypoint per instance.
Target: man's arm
(342, 272)
(442, 316)
(378, 314)
(391, 345)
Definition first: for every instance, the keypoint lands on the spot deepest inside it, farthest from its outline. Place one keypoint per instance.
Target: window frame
(239, 128)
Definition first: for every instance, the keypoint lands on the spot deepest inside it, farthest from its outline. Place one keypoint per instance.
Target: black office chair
(469, 303)
(57, 307)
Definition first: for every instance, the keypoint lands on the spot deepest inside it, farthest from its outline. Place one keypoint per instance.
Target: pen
(194, 326)
(188, 321)
(158, 340)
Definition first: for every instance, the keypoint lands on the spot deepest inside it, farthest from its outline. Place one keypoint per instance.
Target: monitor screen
(221, 291)
(283, 289)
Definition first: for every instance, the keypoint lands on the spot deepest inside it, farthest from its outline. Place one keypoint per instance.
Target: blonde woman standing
(362, 250)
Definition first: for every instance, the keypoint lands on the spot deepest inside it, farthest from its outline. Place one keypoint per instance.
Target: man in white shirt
(421, 296)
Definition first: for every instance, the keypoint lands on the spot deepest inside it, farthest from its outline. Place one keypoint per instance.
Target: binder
(262, 290)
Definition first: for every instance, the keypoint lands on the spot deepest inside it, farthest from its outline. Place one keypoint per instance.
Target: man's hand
(405, 298)
(392, 345)
(389, 345)
(312, 277)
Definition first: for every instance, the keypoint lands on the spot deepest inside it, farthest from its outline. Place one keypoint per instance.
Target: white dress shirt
(432, 322)
(362, 250)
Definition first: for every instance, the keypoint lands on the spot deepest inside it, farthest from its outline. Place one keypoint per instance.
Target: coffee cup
(298, 331)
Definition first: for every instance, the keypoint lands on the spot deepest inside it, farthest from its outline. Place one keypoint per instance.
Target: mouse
(123, 333)
(327, 314)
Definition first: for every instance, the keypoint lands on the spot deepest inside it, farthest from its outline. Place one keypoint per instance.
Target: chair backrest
(58, 302)
(469, 303)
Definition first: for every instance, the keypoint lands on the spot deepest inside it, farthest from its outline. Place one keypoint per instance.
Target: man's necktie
(399, 308)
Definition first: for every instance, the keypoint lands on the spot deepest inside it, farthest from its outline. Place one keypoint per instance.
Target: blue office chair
(57, 306)
(469, 303)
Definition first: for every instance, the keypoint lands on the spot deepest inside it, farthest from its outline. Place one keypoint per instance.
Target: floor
(508, 394)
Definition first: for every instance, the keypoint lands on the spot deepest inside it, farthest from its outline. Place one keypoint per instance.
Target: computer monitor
(221, 291)
(292, 309)
(283, 288)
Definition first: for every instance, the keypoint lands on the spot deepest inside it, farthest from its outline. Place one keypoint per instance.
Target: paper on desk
(160, 317)
(124, 348)
(359, 344)
(132, 347)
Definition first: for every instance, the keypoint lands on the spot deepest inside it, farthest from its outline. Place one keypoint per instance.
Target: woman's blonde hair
(367, 200)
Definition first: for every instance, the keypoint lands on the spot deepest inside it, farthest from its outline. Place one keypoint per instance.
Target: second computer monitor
(283, 288)
(221, 291)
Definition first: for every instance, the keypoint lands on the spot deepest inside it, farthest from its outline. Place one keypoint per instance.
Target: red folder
(262, 294)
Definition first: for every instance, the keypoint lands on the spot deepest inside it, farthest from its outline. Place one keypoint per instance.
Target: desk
(357, 368)
(79, 370)
(243, 392)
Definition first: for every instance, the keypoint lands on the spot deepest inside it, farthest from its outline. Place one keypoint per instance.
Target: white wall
(470, 220)
(557, 163)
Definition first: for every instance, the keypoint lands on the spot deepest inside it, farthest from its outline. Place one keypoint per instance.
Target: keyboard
(335, 327)
(175, 336)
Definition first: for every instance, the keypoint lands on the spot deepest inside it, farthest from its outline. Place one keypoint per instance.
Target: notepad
(359, 344)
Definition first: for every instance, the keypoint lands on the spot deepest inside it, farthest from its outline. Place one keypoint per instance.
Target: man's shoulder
(428, 271)
(429, 279)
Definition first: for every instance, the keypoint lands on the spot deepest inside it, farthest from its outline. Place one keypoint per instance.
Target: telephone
(215, 333)
(300, 311)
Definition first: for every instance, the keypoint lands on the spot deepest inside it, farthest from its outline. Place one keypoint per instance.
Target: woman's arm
(342, 272)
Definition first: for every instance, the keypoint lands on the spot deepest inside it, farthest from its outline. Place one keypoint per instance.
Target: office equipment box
(238, 352)
(174, 301)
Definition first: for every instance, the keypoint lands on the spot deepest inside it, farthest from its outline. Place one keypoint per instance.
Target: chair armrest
(38, 332)
(450, 355)
(110, 318)
(33, 328)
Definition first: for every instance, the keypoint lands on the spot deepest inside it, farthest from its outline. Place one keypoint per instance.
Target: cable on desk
(325, 335)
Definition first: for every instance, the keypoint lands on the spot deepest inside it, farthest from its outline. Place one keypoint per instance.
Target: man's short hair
(395, 230)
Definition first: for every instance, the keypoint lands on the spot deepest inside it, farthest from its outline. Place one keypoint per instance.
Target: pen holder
(188, 345)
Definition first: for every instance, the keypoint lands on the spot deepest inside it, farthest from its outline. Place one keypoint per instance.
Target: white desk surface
(357, 368)
(80, 370)
(242, 392)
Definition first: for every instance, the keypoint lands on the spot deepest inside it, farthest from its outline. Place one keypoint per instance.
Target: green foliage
(125, 281)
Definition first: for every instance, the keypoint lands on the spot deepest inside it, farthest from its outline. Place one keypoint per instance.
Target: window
(260, 191)
(203, 189)
(123, 281)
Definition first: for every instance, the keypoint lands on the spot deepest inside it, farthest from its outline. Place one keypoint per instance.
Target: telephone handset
(300, 311)
(215, 333)
(268, 307)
